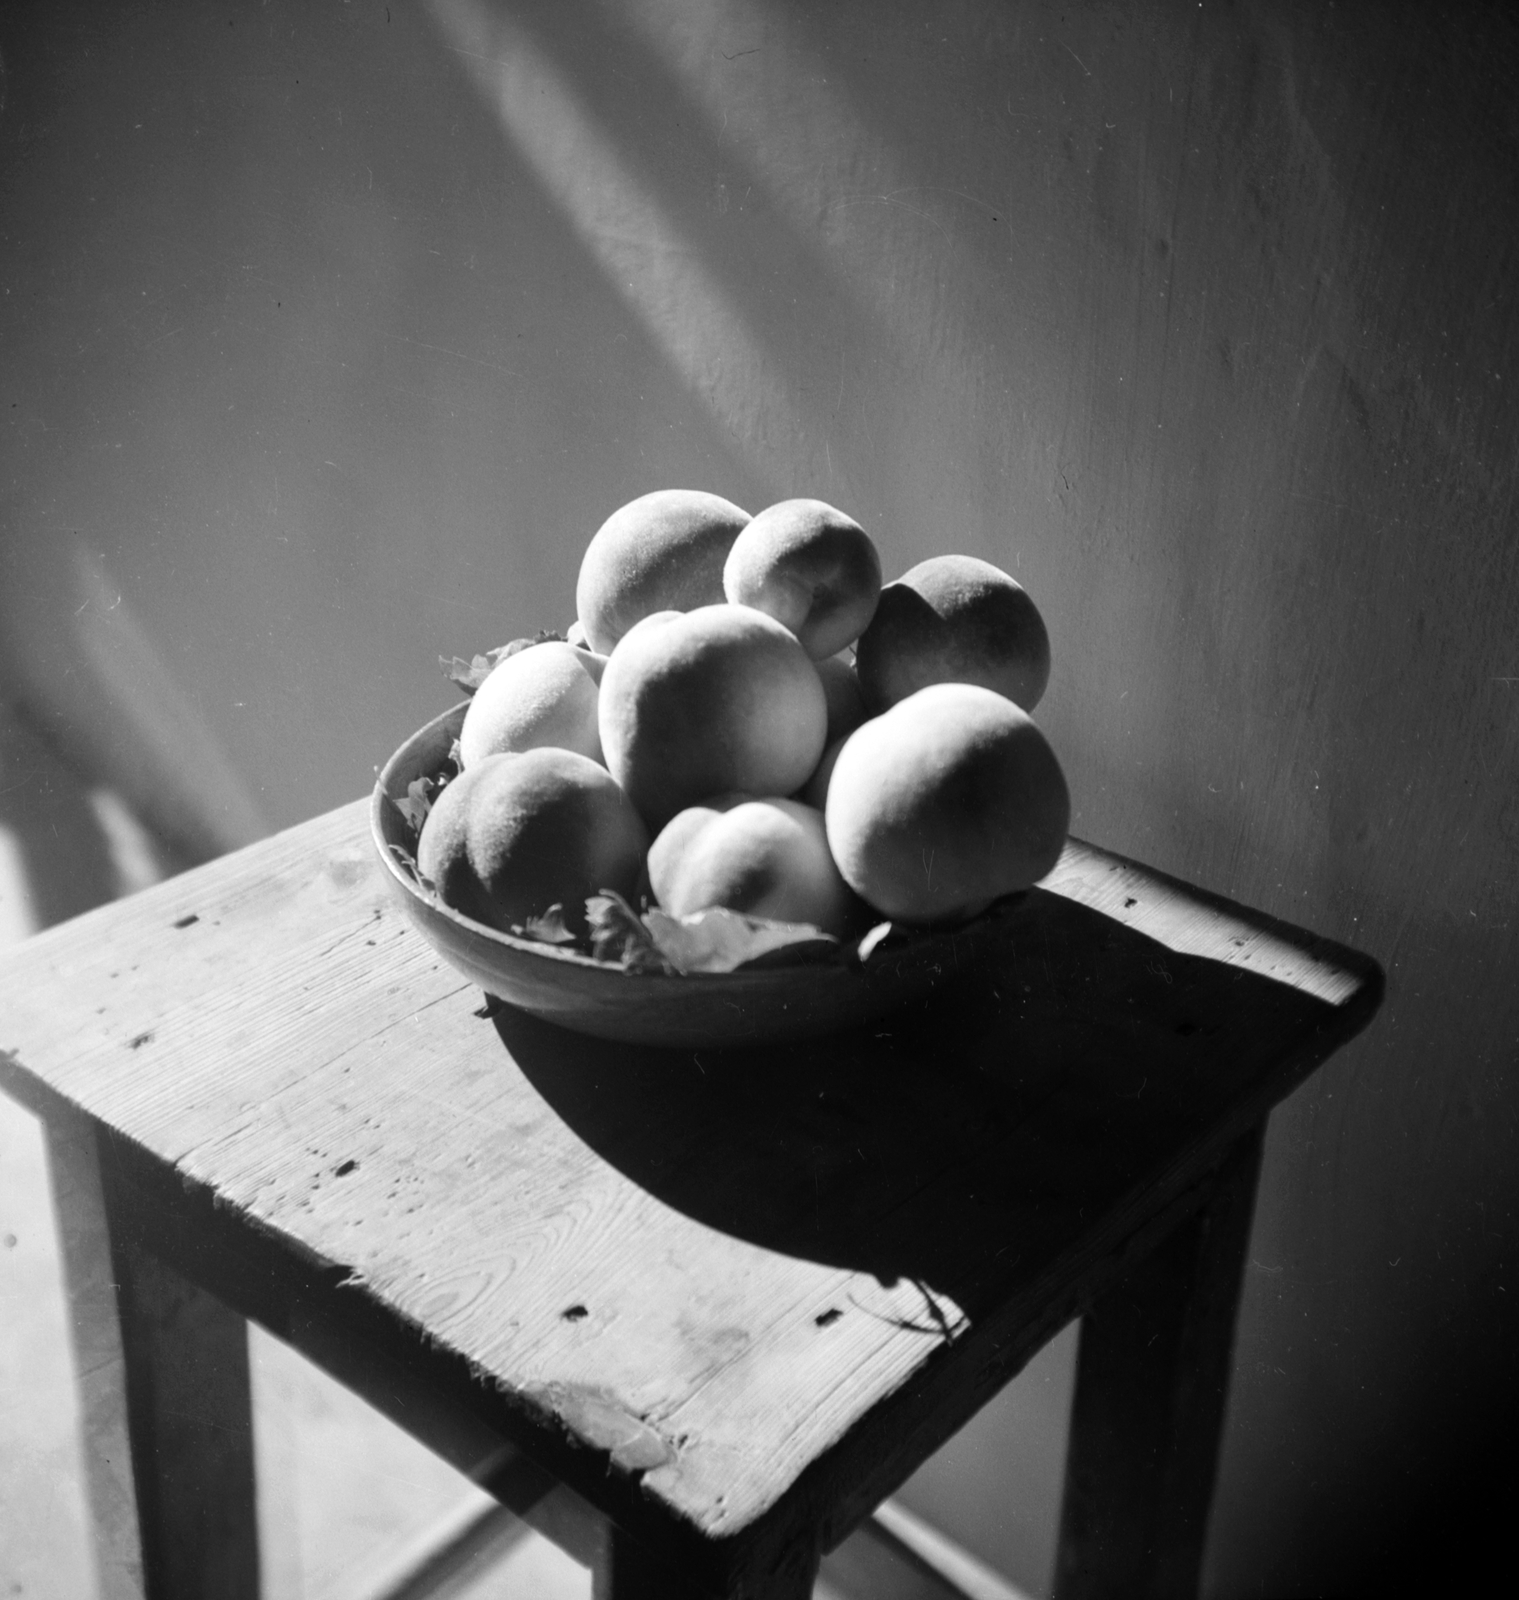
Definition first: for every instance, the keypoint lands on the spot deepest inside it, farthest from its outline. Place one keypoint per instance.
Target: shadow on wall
(333, 333)
(66, 841)
(79, 659)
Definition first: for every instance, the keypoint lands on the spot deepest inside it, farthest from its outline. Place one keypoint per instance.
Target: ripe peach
(846, 711)
(815, 791)
(653, 620)
(954, 619)
(662, 550)
(811, 568)
(948, 800)
(545, 695)
(716, 699)
(518, 833)
(765, 857)
(846, 703)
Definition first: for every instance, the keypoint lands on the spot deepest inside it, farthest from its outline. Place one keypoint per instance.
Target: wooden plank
(89, 1280)
(725, 1296)
(189, 1423)
(1152, 1380)
(379, 1360)
(630, 1571)
(1191, 921)
(392, 1364)
(191, 1434)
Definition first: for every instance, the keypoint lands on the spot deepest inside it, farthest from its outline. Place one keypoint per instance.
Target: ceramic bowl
(753, 1005)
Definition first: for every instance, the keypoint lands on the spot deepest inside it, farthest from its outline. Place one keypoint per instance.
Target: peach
(811, 568)
(662, 551)
(653, 620)
(815, 791)
(945, 802)
(544, 695)
(846, 711)
(846, 702)
(716, 699)
(518, 833)
(954, 619)
(768, 858)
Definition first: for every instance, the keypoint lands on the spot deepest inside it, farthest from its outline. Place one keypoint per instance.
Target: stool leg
(1151, 1382)
(627, 1572)
(90, 1288)
(165, 1386)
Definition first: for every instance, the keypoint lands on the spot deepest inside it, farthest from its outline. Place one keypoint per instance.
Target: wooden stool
(730, 1302)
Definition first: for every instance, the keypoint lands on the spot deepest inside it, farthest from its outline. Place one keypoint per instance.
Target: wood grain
(175, 1387)
(1152, 1380)
(733, 1298)
(191, 1426)
(96, 1335)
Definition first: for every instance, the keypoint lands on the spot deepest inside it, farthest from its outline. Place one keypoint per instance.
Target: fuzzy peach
(661, 551)
(815, 791)
(518, 833)
(766, 857)
(717, 699)
(544, 695)
(810, 567)
(954, 619)
(846, 701)
(945, 802)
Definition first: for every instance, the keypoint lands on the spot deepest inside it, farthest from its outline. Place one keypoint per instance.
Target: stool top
(723, 1294)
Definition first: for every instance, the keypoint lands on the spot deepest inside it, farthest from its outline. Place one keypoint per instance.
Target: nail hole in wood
(345, 1169)
(831, 1315)
(184, 922)
(574, 1313)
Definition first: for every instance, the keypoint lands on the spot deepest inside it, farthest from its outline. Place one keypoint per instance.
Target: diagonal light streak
(896, 252)
(806, 145)
(640, 249)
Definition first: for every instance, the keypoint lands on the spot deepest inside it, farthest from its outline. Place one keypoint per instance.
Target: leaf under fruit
(420, 794)
(550, 928)
(469, 675)
(620, 935)
(720, 940)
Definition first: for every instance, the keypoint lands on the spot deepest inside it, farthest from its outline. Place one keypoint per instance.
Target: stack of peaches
(743, 717)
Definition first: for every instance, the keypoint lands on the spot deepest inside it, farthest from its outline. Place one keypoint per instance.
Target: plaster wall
(331, 331)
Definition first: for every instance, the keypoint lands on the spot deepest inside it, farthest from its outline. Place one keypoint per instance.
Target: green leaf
(407, 862)
(620, 935)
(719, 940)
(469, 675)
(420, 794)
(550, 928)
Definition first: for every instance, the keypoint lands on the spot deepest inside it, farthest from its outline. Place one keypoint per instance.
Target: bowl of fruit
(751, 795)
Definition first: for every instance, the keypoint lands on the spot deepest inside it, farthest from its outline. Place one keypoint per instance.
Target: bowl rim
(844, 954)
